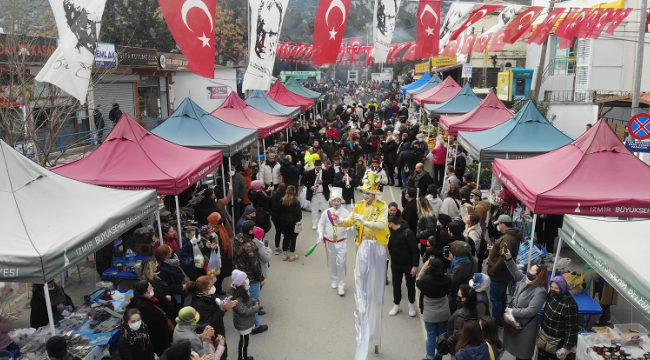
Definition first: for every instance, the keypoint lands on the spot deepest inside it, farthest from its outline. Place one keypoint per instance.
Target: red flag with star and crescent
(590, 23)
(603, 18)
(468, 44)
(617, 19)
(566, 21)
(475, 16)
(192, 25)
(541, 32)
(518, 26)
(576, 23)
(498, 43)
(428, 30)
(331, 19)
(481, 42)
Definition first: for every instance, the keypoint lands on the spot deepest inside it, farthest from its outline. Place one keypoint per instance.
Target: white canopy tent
(615, 249)
(51, 223)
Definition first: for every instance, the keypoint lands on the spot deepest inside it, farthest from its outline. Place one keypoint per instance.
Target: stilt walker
(370, 219)
(334, 237)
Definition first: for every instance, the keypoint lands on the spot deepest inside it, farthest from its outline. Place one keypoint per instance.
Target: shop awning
(490, 113)
(133, 158)
(259, 100)
(462, 103)
(583, 177)
(237, 112)
(294, 86)
(282, 95)
(50, 222)
(423, 79)
(433, 82)
(194, 127)
(439, 94)
(614, 249)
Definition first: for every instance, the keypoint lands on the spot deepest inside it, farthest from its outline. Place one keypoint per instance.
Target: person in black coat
(134, 342)
(207, 206)
(390, 158)
(290, 172)
(410, 211)
(152, 316)
(318, 190)
(422, 179)
(295, 152)
(335, 166)
(344, 178)
(149, 272)
(58, 298)
(406, 162)
(404, 261)
(171, 274)
(275, 211)
(460, 163)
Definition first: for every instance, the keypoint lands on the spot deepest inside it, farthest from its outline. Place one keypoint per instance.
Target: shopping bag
(575, 281)
(302, 197)
(214, 264)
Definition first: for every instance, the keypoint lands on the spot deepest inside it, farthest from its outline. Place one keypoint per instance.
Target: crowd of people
(443, 238)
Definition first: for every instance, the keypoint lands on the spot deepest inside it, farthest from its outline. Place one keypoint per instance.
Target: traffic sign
(467, 71)
(637, 145)
(639, 126)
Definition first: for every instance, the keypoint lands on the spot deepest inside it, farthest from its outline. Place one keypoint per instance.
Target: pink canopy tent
(581, 178)
(282, 95)
(439, 94)
(133, 158)
(237, 112)
(489, 114)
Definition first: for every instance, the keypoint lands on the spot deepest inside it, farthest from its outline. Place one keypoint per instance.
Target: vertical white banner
(455, 17)
(69, 68)
(383, 27)
(504, 18)
(265, 26)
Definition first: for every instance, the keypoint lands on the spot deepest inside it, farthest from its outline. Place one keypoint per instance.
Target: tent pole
(478, 176)
(48, 303)
(557, 256)
(447, 152)
(223, 181)
(455, 155)
(62, 278)
(232, 199)
(530, 243)
(259, 158)
(159, 228)
(178, 218)
(287, 136)
(264, 147)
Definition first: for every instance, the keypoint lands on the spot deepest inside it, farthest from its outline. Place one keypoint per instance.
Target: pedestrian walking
(434, 284)
(98, 117)
(335, 239)
(290, 219)
(405, 259)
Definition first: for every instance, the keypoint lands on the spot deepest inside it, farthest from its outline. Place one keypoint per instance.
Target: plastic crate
(624, 328)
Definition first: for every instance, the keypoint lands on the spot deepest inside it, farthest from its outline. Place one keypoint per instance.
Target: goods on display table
(124, 268)
(623, 342)
(87, 330)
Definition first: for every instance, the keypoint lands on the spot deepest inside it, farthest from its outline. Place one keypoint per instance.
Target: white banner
(455, 17)
(266, 23)
(504, 18)
(70, 66)
(383, 27)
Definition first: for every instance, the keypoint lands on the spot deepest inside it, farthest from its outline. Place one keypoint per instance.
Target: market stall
(237, 112)
(430, 84)
(54, 222)
(438, 94)
(416, 84)
(292, 85)
(282, 95)
(463, 102)
(259, 100)
(490, 113)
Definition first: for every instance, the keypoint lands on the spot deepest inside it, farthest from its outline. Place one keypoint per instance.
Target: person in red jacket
(439, 161)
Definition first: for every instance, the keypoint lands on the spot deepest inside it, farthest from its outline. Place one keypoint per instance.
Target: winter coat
(435, 291)
(496, 262)
(526, 302)
(172, 276)
(275, 205)
(291, 213)
(410, 214)
(290, 173)
(426, 227)
(451, 207)
(186, 257)
(135, 351)
(248, 179)
(439, 155)
(390, 152)
(243, 316)
(463, 266)
(473, 234)
(270, 175)
(238, 187)
(310, 180)
(406, 158)
(482, 209)
(265, 257)
(435, 202)
(422, 182)
(330, 147)
(456, 323)
(38, 316)
(403, 247)
(210, 312)
(465, 191)
(445, 184)
(481, 352)
(160, 291)
(203, 209)
(246, 257)
(154, 317)
(348, 193)
(259, 199)
(188, 332)
(560, 320)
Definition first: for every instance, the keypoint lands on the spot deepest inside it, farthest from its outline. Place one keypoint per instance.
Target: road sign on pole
(467, 71)
(639, 126)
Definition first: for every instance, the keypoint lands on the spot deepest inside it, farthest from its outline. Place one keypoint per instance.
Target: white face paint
(368, 197)
(336, 203)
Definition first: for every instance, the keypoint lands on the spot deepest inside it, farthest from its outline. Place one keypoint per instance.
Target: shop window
(149, 98)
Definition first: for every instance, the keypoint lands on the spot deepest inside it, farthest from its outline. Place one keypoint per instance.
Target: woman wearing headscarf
(134, 342)
(434, 284)
(559, 329)
(225, 248)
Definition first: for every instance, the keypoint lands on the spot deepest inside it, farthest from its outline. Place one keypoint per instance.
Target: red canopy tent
(439, 94)
(237, 112)
(585, 178)
(489, 114)
(133, 158)
(282, 95)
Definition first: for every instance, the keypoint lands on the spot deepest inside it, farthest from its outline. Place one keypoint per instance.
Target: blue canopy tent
(433, 82)
(527, 134)
(419, 82)
(464, 102)
(259, 100)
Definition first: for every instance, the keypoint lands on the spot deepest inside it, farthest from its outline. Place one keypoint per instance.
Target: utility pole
(638, 66)
(542, 59)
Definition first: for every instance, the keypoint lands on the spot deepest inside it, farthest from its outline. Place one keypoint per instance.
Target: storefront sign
(172, 62)
(217, 92)
(637, 145)
(381, 77)
(639, 126)
(443, 61)
(422, 67)
(105, 55)
(137, 57)
(34, 49)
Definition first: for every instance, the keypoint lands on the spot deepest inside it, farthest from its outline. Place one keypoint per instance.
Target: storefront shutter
(121, 93)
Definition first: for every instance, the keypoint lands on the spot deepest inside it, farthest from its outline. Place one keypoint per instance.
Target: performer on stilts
(370, 219)
(334, 237)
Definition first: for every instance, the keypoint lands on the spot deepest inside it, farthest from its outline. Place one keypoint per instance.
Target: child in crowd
(244, 312)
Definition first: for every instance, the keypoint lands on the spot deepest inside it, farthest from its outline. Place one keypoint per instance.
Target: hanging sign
(467, 71)
(443, 61)
(637, 145)
(639, 126)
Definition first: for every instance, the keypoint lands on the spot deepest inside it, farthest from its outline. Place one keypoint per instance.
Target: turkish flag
(355, 47)
(451, 49)
(428, 30)
(541, 32)
(343, 50)
(617, 19)
(410, 53)
(398, 49)
(481, 42)
(192, 26)
(562, 26)
(391, 49)
(565, 43)
(329, 26)
(588, 25)
(468, 44)
(497, 42)
(518, 26)
(475, 16)
(310, 51)
(605, 16)
(301, 50)
(576, 23)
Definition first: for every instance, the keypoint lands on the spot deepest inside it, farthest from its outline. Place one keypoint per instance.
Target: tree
(544, 106)
(231, 38)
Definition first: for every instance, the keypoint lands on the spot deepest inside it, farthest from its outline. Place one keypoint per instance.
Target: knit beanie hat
(259, 233)
(249, 210)
(56, 347)
(186, 316)
(238, 277)
(468, 176)
(477, 193)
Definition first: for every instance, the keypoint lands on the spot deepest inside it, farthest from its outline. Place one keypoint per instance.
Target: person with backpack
(473, 236)
(115, 114)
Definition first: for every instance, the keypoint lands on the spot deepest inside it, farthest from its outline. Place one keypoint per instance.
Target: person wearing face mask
(434, 284)
(497, 270)
(269, 172)
(331, 146)
(205, 301)
(195, 253)
(244, 312)
(462, 266)
(61, 303)
(134, 342)
(528, 298)
(466, 300)
(559, 322)
(203, 339)
(152, 315)
(149, 272)
(371, 218)
(335, 239)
